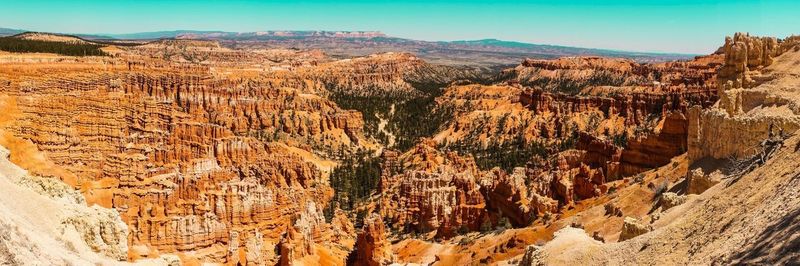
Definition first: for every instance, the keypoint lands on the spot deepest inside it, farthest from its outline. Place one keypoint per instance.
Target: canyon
(212, 149)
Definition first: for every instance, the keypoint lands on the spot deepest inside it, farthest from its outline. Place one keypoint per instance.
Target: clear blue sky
(689, 26)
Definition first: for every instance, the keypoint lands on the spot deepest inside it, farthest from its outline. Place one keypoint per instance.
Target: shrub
(639, 178)
(486, 225)
(621, 140)
(504, 224)
(463, 230)
(660, 189)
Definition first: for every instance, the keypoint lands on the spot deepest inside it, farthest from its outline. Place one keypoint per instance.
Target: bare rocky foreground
(192, 151)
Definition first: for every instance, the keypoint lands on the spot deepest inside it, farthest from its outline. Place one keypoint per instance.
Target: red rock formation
(578, 74)
(745, 54)
(632, 92)
(741, 121)
(530, 193)
(189, 173)
(372, 248)
(654, 150)
(214, 153)
(641, 153)
(436, 192)
(510, 195)
(572, 179)
(634, 107)
(487, 115)
(376, 75)
(293, 246)
(194, 160)
(571, 74)
(595, 152)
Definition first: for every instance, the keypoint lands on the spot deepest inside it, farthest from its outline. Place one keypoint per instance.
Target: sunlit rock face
(222, 155)
(196, 159)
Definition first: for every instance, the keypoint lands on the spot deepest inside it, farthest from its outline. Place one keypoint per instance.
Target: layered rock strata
(747, 110)
(574, 75)
(45, 221)
(632, 228)
(372, 248)
(436, 192)
(746, 55)
(212, 163)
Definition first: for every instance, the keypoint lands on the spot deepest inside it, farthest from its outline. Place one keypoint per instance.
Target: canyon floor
(203, 151)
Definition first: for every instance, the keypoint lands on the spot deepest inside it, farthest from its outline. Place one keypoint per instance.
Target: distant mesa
(50, 37)
(484, 53)
(267, 34)
(183, 43)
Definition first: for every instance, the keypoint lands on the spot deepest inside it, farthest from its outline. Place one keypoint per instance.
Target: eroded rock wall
(755, 97)
(196, 161)
(436, 192)
(746, 55)
(372, 248)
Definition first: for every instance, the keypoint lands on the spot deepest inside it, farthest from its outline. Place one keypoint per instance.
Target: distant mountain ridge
(524, 45)
(156, 34)
(9, 32)
(194, 34)
(484, 52)
(199, 34)
(357, 43)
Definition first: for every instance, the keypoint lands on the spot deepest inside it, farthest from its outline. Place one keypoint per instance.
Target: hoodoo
(359, 148)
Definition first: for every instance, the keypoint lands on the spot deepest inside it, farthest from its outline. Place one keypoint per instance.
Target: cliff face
(204, 150)
(193, 159)
(223, 155)
(573, 75)
(542, 112)
(436, 192)
(521, 196)
(657, 149)
(372, 248)
(382, 73)
(385, 74)
(484, 114)
(753, 99)
(446, 193)
(44, 221)
(609, 131)
(746, 55)
(743, 163)
(634, 107)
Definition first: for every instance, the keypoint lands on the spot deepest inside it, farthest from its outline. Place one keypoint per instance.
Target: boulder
(697, 181)
(632, 227)
(612, 209)
(670, 199)
(534, 256)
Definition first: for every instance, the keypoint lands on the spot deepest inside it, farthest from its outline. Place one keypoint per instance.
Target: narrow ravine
(382, 127)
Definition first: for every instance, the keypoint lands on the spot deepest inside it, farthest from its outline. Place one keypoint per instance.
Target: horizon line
(107, 34)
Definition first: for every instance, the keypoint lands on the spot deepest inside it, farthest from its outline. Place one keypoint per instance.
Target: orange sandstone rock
(372, 248)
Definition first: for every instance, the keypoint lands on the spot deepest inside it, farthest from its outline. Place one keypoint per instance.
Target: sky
(682, 26)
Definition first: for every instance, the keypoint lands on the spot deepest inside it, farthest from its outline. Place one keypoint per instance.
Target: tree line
(17, 45)
(355, 179)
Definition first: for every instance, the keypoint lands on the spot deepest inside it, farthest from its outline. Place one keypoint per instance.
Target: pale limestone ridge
(45, 222)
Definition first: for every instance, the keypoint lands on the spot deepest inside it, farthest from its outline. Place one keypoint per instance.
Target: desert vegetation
(18, 45)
